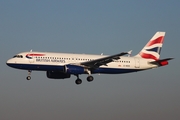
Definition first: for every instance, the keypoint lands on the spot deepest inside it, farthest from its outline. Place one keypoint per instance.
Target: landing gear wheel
(28, 77)
(90, 78)
(78, 81)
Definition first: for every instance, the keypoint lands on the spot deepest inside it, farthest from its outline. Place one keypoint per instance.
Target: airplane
(63, 65)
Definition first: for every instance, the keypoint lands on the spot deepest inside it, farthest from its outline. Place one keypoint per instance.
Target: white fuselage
(45, 61)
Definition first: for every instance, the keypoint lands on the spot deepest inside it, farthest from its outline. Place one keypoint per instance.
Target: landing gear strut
(89, 78)
(29, 73)
(79, 81)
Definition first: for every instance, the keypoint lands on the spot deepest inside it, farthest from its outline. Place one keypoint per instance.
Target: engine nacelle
(73, 69)
(57, 75)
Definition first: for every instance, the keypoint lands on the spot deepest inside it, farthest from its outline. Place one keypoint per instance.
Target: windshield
(18, 56)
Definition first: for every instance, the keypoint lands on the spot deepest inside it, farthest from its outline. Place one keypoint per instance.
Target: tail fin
(153, 48)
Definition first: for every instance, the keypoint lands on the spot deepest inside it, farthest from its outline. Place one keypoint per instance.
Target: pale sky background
(95, 27)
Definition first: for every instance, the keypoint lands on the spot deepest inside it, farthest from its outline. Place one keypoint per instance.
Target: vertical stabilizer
(153, 48)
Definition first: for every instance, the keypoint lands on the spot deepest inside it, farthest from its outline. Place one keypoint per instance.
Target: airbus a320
(63, 65)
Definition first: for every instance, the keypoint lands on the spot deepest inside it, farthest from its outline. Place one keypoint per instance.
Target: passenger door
(30, 56)
(137, 62)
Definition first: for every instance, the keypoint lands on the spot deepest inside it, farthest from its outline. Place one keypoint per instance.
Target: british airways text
(50, 60)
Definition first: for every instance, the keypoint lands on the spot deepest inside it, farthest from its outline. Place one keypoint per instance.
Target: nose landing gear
(29, 73)
(28, 77)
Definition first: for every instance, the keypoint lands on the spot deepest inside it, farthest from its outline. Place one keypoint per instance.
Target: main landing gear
(79, 81)
(90, 78)
(29, 73)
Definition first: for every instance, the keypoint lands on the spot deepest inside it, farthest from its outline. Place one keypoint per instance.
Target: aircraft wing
(102, 61)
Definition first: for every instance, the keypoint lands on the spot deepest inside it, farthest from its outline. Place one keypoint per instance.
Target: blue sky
(95, 27)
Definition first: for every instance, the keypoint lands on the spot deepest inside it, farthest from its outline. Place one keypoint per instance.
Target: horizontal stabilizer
(161, 62)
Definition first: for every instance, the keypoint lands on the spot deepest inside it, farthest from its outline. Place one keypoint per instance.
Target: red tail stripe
(148, 56)
(157, 40)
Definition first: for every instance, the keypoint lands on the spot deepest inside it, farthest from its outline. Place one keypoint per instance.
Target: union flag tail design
(153, 48)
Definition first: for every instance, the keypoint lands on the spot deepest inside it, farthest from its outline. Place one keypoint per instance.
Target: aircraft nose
(9, 62)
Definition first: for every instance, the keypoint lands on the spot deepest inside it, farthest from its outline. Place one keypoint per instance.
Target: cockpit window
(18, 56)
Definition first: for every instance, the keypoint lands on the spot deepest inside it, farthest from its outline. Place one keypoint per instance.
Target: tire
(78, 81)
(28, 77)
(90, 78)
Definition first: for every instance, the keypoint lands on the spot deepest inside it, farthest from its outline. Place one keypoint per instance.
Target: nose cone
(9, 62)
